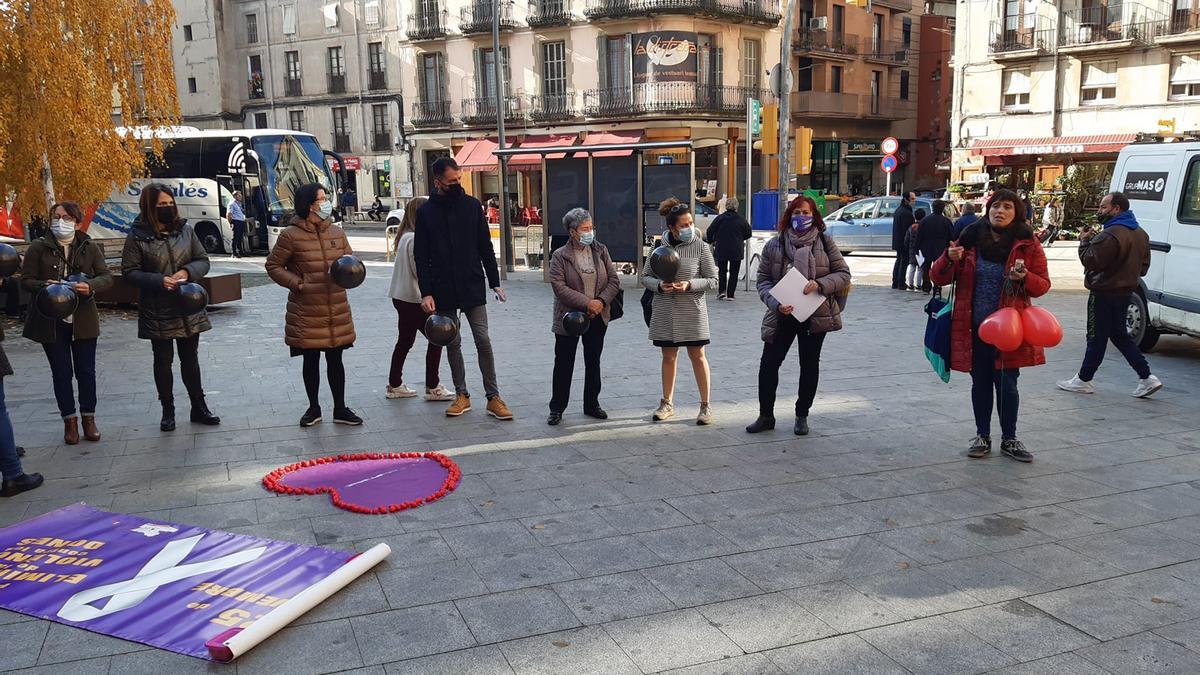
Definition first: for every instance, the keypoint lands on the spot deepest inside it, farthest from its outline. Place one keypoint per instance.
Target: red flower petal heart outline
(274, 481)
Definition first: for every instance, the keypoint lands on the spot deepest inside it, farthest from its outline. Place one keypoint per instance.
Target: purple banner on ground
(162, 584)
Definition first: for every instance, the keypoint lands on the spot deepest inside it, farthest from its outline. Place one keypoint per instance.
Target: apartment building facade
(1040, 87)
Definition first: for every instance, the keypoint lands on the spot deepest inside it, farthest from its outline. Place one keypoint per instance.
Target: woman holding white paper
(803, 245)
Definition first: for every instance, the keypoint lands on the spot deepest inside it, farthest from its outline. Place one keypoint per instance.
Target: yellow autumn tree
(71, 73)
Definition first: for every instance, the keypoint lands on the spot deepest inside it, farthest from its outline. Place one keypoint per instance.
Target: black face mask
(166, 214)
(453, 191)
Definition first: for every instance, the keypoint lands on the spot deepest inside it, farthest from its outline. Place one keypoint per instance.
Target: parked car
(704, 215)
(395, 216)
(866, 225)
(1162, 182)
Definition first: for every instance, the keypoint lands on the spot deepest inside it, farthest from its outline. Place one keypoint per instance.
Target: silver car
(866, 225)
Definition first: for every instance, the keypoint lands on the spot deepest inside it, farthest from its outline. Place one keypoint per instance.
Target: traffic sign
(890, 145)
(888, 163)
(756, 116)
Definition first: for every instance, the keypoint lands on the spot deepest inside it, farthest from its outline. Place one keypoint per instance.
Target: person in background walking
(584, 279)
(349, 204)
(16, 480)
(70, 345)
(902, 219)
(912, 277)
(968, 216)
(802, 244)
(161, 252)
(728, 234)
(318, 319)
(454, 254)
(932, 239)
(996, 263)
(406, 298)
(1113, 261)
(237, 218)
(679, 316)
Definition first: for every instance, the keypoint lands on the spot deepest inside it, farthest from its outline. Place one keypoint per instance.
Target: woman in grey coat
(679, 317)
(803, 244)
(584, 279)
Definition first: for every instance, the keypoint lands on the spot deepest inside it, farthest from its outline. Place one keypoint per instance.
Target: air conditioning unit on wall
(818, 23)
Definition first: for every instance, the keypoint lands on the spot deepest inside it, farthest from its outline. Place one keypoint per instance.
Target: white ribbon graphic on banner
(162, 569)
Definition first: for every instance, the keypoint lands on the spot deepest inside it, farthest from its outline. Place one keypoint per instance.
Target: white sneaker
(403, 391)
(1078, 386)
(439, 393)
(1147, 387)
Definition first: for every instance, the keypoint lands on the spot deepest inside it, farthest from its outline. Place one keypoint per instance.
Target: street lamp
(498, 78)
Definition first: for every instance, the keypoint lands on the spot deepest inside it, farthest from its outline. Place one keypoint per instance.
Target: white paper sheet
(790, 291)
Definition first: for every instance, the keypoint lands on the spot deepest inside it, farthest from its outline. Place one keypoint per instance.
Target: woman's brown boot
(71, 430)
(90, 431)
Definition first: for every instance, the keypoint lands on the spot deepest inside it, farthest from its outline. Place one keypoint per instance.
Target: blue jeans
(989, 383)
(10, 464)
(1106, 322)
(72, 359)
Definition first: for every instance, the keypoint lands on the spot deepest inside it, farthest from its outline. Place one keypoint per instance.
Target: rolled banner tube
(237, 641)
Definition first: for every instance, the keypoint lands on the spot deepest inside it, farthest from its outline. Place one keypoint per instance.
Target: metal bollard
(389, 238)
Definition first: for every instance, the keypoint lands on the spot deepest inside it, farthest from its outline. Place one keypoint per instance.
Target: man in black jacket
(902, 219)
(728, 234)
(933, 237)
(454, 254)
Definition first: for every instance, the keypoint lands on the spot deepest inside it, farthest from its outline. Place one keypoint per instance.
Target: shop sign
(1145, 185)
(1064, 149)
(863, 148)
(665, 56)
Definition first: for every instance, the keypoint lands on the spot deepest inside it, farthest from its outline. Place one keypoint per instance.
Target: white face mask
(686, 234)
(325, 209)
(62, 229)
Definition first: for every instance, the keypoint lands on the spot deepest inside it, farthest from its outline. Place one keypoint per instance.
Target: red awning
(534, 161)
(611, 137)
(464, 153)
(1053, 145)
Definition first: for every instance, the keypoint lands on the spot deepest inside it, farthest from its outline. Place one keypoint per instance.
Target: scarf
(799, 249)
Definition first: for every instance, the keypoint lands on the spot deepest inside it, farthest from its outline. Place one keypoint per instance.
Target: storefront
(863, 175)
(1036, 164)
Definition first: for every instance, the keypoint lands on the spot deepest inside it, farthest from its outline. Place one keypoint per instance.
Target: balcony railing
(552, 107)
(755, 11)
(825, 43)
(1112, 23)
(668, 97)
(892, 52)
(255, 87)
(376, 79)
(545, 13)
(431, 113)
(483, 110)
(880, 107)
(427, 26)
(381, 141)
(337, 84)
(825, 103)
(898, 5)
(341, 142)
(1183, 21)
(292, 87)
(477, 16)
(1007, 39)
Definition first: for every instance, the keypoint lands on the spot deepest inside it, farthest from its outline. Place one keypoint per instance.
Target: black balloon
(192, 298)
(57, 301)
(348, 271)
(576, 323)
(440, 329)
(10, 261)
(664, 262)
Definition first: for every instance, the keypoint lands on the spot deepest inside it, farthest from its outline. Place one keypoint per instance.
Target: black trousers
(1106, 323)
(189, 367)
(335, 370)
(773, 356)
(727, 271)
(899, 269)
(239, 237)
(565, 347)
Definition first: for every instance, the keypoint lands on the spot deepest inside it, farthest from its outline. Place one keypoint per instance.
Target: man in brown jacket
(1113, 262)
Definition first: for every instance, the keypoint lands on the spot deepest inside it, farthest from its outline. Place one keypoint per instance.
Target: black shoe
(801, 426)
(763, 423)
(310, 417)
(23, 483)
(1015, 449)
(20, 451)
(202, 415)
(981, 446)
(346, 416)
(596, 412)
(168, 418)
(554, 419)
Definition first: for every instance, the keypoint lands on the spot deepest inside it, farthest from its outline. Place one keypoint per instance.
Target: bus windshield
(287, 162)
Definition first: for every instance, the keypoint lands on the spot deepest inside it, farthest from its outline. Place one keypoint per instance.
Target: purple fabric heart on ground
(371, 483)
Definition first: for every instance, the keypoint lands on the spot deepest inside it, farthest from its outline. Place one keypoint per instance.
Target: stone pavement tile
(657, 486)
(1188, 571)
(315, 648)
(1059, 565)
(1134, 476)
(644, 517)
(645, 466)
(1117, 511)
(896, 512)
(1173, 501)
(751, 533)
(433, 582)
(159, 661)
(1020, 630)
(154, 500)
(817, 562)
(1011, 495)
(66, 643)
(567, 527)
(1097, 612)
(717, 480)
(843, 607)
(217, 516)
(723, 505)
(834, 521)
(297, 531)
(409, 633)
(363, 596)
(962, 503)
(522, 479)
(913, 593)
(706, 458)
(700, 582)
(933, 645)
(1062, 664)
(1159, 591)
(273, 508)
(765, 622)
(582, 651)
(474, 661)
(989, 579)
(841, 655)
(1058, 522)
(1186, 633)
(1143, 653)
(928, 544)
(1187, 529)
(507, 571)
(504, 506)
(584, 473)
(347, 526)
(1135, 549)
(610, 598)
(998, 533)
(7, 617)
(692, 542)
(608, 556)
(417, 548)
(99, 666)
(808, 494)
(516, 614)
(488, 538)
(220, 493)
(1069, 486)
(750, 664)
(576, 497)
(880, 485)
(441, 514)
(28, 634)
(671, 640)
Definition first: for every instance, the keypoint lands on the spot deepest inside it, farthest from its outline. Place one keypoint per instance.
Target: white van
(203, 202)
(1162, 182)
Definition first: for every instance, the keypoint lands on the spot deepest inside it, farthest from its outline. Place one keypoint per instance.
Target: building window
(254, 65)
(296, 120)
(1189, 205)
(1016, 89)
(187, 33)
(260, 121)
(835, 79)
(1185, 76)
(838, 29)
(904, 85)
(337, 70)
(372, 12)
(341, 130)
(1098, 86)
(376, 68)
(382, 139)
(485, 74)
(825, 163)
(292, 73)
(251, 28)
(432, 77)
(616, 65)
(191, 85)
(330, 11)
(751, 50)
(877, 35)
(554, 68)
(804, 78)
(876, 90)
(906, 32)
(289, 19)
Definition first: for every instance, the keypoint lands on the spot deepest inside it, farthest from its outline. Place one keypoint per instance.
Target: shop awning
(1052, 145)
(464, 153)
(611, 138)
(534, 160)
(476, 155)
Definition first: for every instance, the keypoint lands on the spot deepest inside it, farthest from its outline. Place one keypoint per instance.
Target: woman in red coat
(996, 262)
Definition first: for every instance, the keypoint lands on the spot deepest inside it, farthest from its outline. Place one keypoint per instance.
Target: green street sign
(387, 165)
(756, 117)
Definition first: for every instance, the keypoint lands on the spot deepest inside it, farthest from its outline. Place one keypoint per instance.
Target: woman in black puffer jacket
(161, 252)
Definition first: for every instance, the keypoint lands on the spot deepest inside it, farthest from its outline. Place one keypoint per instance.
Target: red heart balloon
(1041, 327)
(1003, 329)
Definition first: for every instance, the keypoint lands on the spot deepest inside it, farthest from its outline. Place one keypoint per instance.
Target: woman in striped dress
(679, 317)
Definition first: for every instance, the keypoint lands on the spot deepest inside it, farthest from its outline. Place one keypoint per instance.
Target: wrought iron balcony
(1183, 22)
(292, 87)
(477, 16)
(823, 43)
(341, 142)
(1103, 27)
(255, 87)
(891, 52)
(381, 141)
(668, 97)
(546, 13)
(427, 26)
(431, 113)
(337, 83)
(552, 107)
(754, 11)
(483, 110)
(1015, 41)
(376, 80)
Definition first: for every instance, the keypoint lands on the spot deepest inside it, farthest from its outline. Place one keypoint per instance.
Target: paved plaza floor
(872, 546)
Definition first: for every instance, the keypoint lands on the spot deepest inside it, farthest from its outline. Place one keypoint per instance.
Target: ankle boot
(90, 431)
(168, 417)
(201, 414)
(71, 430)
